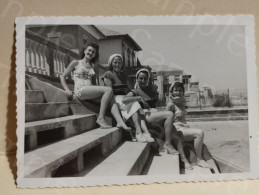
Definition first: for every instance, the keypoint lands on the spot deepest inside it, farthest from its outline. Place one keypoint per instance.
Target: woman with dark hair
(116, 79)
(177, 106)
(163, 118)
(84, 79)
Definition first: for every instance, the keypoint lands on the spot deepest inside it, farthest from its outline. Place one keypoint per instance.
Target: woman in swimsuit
(177, 106)
(84, 74)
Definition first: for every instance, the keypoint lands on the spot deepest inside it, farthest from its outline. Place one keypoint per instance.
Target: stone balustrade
(43, 56)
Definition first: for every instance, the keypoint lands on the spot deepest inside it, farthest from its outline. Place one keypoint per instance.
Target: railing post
(50, 60)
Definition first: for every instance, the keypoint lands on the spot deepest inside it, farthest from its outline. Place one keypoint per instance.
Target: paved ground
(210, 108)
(227, 139)
(217, 108)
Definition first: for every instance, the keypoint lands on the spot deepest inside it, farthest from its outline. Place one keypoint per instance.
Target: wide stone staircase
(62, 140)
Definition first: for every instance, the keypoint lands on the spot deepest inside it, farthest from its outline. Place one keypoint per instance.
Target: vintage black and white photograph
(125, 100)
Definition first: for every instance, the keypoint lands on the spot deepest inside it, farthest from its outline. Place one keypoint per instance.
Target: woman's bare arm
(131, 98)
(170, 107)
(107, 82)
(67, 71)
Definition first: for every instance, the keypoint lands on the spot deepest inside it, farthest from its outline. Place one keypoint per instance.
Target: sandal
(148, 137)
(141, 138)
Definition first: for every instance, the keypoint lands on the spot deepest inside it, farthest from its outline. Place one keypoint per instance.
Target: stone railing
(42, 56)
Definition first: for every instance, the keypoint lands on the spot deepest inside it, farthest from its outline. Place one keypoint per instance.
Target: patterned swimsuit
(180, 115)
(82, 77)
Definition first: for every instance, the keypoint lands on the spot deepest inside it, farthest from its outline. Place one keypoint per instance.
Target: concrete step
(52, 93)
(197, 170)
(42, 111)
(34, 96)
(129, 159)
(231, 118)
(164, 164)
(45, 161)
(55, 94)
(57, 128)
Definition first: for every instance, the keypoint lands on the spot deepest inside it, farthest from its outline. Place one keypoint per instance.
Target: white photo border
(246, 20)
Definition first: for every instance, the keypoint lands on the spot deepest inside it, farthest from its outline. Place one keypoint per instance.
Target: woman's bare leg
(165, 118)
(92, 92)
(116, 114)
(143, 124)
(136, 121)
(145, 130)
(197, 135)
(213, 165)
(137, 124)
(179, 143)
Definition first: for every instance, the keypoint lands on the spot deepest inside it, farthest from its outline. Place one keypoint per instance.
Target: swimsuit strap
(80, 65)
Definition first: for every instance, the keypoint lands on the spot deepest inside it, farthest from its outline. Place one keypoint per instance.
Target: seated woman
(116, 79)
(84, 74)
(177, 106)
(163, 118)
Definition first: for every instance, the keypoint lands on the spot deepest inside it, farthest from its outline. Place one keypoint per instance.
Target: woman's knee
(169, 114)
(198, 133)
(169, 106)
(108, 90)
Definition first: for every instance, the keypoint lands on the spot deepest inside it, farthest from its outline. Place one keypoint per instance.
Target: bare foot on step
(203, 163)
(123, 126)
(102, 123)
(188, 166)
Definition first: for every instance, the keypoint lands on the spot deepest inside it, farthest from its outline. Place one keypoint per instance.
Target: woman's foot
(148, 137)
(131, 135)
(123, 126)
(141, 138)
(102, 123)
(188, 166)
(169, 149)
(203, 163)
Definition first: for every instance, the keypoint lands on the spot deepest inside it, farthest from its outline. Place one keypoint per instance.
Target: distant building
(123, 44)
(194, 86)
(164, 76)
(115, 42)
(207, 92)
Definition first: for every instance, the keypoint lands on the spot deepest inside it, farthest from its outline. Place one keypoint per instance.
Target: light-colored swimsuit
(180, 115)
(82, 78)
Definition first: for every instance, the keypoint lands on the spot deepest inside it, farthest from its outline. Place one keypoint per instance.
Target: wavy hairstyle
(95, 46)
(174, 85)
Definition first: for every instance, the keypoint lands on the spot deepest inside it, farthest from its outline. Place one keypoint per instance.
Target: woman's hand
(152, 110)
(146, 105)
(141, 99)
(177, 99)
(69, 94)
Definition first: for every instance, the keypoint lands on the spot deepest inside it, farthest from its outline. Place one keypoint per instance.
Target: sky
(213, 55)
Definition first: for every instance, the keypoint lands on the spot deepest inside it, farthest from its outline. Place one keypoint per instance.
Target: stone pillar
(50, 60)
(171, 79)
(160, 84)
